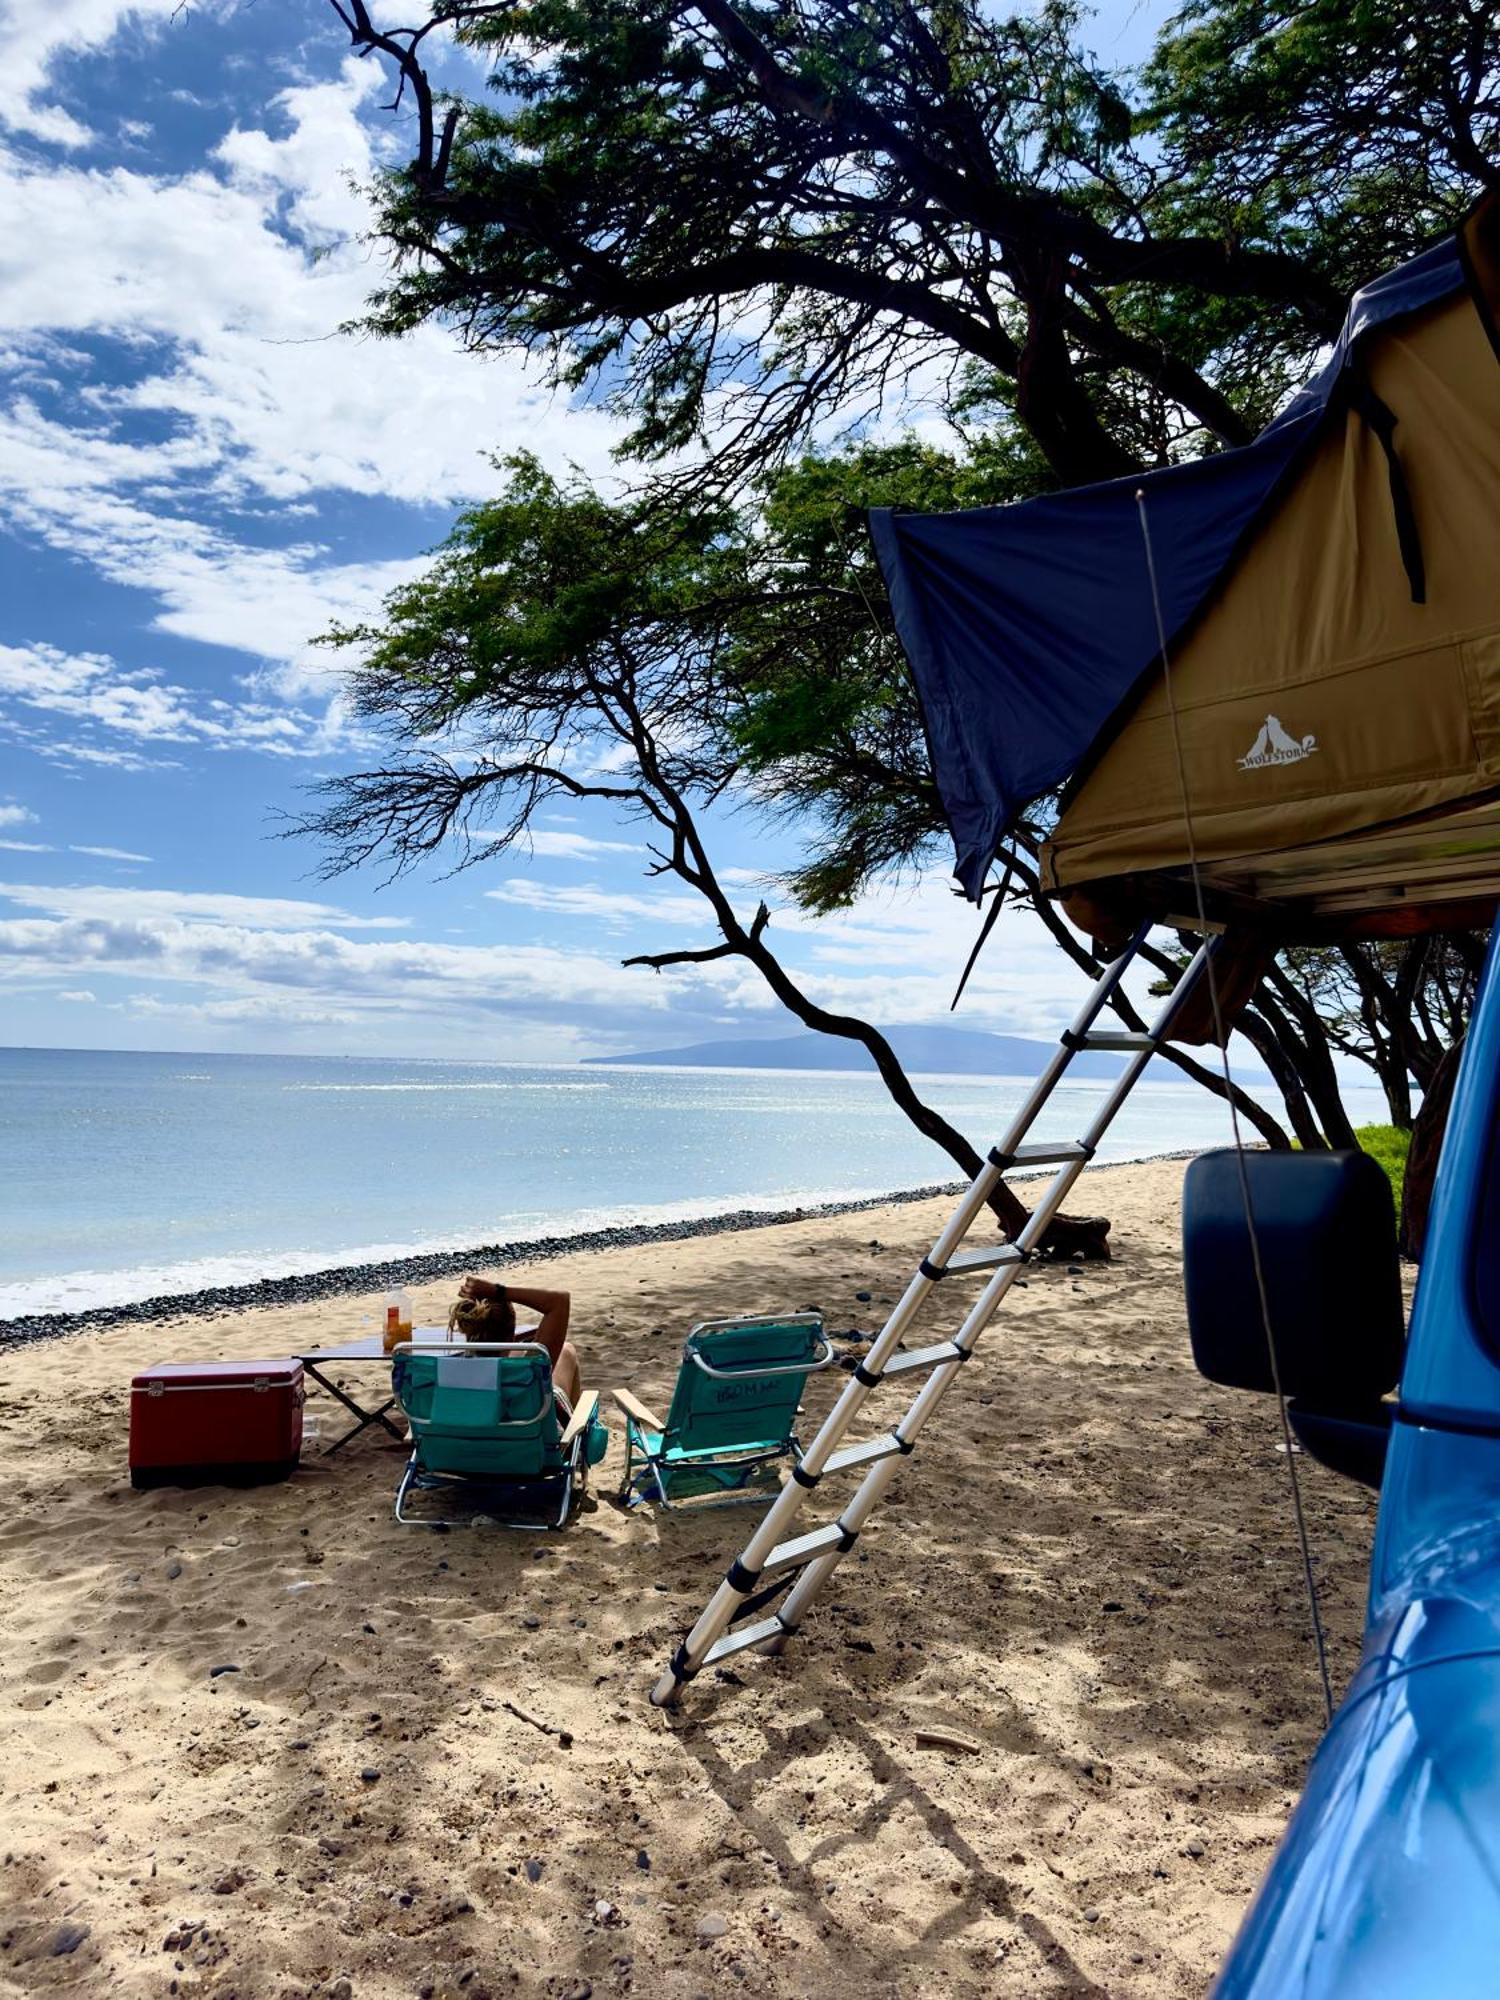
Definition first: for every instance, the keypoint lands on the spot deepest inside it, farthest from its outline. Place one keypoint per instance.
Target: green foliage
(1353, 128)
(1388, 1146)
(756, 220)
(538, 604)
(825, 718)
(759, 638)
(752, 220)
(763, 221)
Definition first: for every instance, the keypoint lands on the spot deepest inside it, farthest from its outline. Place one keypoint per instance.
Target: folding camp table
(364, 1353)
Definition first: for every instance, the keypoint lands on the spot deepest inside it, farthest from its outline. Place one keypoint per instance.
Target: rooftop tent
(1331, 595)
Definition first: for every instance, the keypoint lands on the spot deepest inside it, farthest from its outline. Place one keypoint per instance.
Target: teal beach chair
(733, 1413)
(484, 1420)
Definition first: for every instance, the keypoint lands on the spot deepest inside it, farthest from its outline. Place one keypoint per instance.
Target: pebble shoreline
(355, 1278)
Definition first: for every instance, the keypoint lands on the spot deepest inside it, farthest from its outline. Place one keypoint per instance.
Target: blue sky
(198, 473)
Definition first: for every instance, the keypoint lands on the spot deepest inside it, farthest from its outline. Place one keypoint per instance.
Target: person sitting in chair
(551, 1331)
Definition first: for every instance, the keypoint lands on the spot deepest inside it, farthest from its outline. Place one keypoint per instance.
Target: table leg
(365, 1417)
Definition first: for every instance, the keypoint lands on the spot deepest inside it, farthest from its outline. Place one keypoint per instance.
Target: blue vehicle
(1388, 1879)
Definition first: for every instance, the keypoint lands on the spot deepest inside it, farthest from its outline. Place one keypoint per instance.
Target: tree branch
(657, 959)
(1028, 218)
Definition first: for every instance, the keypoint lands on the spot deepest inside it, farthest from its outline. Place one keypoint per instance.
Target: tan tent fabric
(1341, 744)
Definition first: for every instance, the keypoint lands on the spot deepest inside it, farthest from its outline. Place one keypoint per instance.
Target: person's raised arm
(555, 1309)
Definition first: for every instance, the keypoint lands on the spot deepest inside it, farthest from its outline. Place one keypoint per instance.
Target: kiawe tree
(754, 218)
(759, 229)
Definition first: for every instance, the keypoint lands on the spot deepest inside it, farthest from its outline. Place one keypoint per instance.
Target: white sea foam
(361, 1088)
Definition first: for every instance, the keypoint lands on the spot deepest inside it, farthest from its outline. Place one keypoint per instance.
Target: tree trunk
(1385, 1009)
(1262, 1038)
(1306, 1048)
(1421, 1161)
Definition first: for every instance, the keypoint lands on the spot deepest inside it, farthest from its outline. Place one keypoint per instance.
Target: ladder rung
(804, 1548)
(1111, 1038)
(991, 1259)
(922, 1357)
(869, 1453)
(742, 1640)
(1049, 1153)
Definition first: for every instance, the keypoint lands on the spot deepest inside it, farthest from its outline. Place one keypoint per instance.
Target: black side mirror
(1326, 1226)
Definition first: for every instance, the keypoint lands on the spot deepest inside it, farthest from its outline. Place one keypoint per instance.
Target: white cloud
(62, 750)
(168, 959)
(222, 289)
(79, 994)
(197, 479)
(110, 853)
(236, 281)
(26, 847)
(894, 958)
(250, 1009)
(71, 488)
(897, 954)
(36, 33)
(221, 962)
(438, 981)
(555, 846)
(607, 906)
(16, 816)
(143, 706)
(310, 167)
(132, 906)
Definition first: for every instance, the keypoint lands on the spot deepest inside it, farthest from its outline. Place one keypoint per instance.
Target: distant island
(935, 1051)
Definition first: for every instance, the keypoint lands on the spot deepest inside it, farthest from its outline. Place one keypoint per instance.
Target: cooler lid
(221, 1374)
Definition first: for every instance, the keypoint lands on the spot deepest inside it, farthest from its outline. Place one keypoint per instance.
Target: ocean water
(125, 1176)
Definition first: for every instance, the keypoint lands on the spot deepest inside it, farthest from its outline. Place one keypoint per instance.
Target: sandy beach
(1088, 1572)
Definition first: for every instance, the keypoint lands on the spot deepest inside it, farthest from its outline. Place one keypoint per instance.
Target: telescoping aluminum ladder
(801, 1565)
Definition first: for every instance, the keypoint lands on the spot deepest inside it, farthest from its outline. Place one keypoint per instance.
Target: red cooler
(215, 1423)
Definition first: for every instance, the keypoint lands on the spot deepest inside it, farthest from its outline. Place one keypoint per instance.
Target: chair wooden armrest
(588, 1402)
(634, 1407)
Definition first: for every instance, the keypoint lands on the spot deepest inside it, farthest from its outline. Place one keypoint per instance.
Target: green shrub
(1387, 1145)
